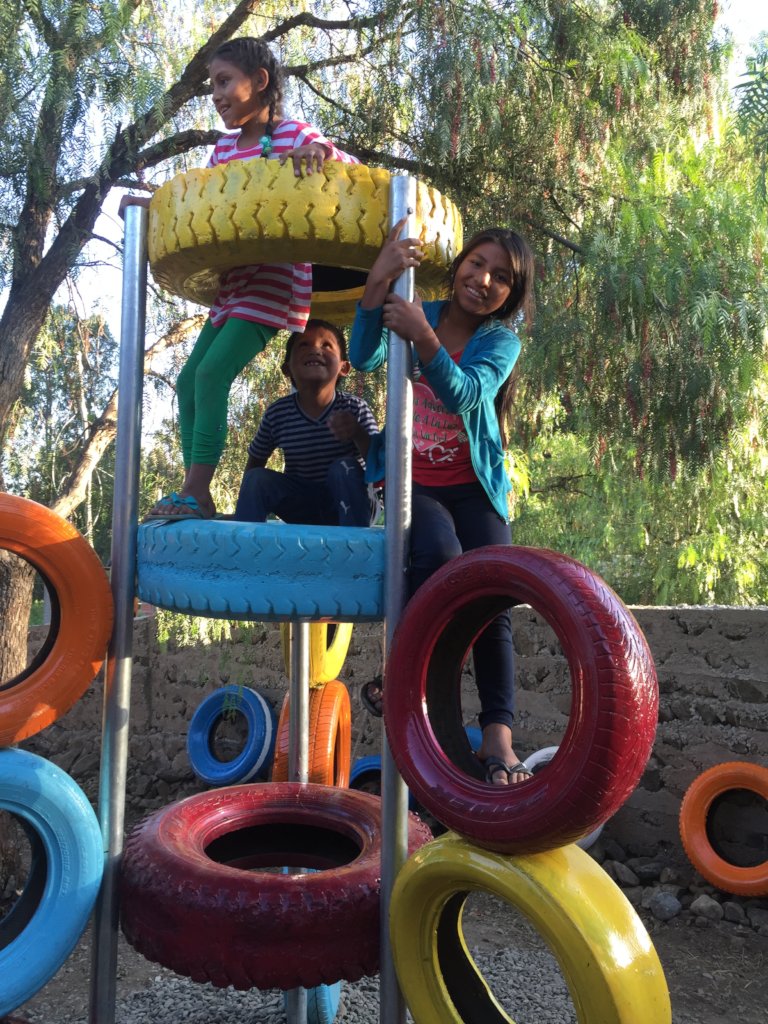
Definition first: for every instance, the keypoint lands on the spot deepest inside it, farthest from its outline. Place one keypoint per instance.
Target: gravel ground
(169, 998)
(716, 975)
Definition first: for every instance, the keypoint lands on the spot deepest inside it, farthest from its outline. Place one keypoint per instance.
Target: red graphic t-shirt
(441, 455)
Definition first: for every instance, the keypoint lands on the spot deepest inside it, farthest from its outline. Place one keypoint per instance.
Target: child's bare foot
(501, 763)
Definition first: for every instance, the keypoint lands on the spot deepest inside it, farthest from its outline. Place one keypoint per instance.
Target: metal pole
(298, 761)
(399, 417)
(117, 684)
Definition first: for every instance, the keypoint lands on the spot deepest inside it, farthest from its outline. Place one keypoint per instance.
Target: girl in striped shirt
(253, 302)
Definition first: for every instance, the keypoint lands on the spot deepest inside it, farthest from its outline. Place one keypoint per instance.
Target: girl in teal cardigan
(465, 355)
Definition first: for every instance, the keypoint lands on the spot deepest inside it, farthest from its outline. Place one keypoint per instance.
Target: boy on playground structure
(465, 354)
(254, 302)
(324, 434)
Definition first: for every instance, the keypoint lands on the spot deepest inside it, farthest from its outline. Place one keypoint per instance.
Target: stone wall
(713, 676)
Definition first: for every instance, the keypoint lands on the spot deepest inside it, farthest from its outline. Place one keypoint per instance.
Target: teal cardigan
(468, 388)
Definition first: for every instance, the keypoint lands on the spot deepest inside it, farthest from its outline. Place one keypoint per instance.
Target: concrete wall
(712, 665)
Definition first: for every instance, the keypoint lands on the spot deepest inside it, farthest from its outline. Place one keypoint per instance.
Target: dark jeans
(343, 500)
(446, 522)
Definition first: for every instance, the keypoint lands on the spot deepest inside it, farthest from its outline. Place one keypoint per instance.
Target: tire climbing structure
(210, 220)
(61, 829)
(195, 890)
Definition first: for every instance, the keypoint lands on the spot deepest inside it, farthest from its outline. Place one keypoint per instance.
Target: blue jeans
(448, 521)
(342, 500)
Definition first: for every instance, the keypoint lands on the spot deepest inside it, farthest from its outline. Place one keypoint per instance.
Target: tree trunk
(16, 580)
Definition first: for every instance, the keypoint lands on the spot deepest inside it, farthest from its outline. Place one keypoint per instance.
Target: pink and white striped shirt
(278, 294)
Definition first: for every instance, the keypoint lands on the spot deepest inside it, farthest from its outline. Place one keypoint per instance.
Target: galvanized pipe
(298, 737)
(298, 760)
(117, 686)
(399, 417)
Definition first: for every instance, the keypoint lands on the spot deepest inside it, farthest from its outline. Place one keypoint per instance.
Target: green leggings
(203, 386)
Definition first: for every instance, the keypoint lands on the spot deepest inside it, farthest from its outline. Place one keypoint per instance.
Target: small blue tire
(322, 1003)
(53, 806)
(255, 759)
(322, 1000)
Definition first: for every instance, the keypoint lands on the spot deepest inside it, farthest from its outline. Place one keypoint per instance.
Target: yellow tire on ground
(607, 958)
(328, 646)
(209, 220)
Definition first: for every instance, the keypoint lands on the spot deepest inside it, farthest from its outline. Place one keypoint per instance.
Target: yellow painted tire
(325, 659)
(607, 958)
(212, 219)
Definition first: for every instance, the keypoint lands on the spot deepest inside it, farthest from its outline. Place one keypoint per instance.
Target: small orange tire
(330, 736)
(694, 811)
(81, 622)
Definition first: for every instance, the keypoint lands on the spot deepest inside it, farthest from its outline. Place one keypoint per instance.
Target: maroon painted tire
(193, 900)
(614, 703)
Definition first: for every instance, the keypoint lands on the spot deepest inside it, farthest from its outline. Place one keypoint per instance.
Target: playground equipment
(539, 760)
(330, 736)
(254, 211)
(255, 758)
(328, 646)
(614, 699)
(66, 855)
(52, 912)
(81, 618)
(608, 961)
(188, 871)
(183, 867)
(694, 814)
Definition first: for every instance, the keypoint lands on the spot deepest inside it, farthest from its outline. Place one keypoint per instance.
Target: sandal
(178, 508)
(372, 703)
(493, 765)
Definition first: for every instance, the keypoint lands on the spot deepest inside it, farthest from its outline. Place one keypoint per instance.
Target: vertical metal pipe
(117, 686)
(298, 737)
(399, 417)
(298, 760)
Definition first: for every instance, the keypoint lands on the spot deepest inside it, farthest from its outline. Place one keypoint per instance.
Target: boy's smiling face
(315, 359)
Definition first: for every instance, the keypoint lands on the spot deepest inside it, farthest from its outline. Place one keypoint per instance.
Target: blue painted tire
(23, 910)
(255, 759)
(54, 806)
(322, 1003)
(322, 1000)
(264, 572)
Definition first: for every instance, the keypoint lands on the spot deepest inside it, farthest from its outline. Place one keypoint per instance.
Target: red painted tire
(330, 736)
(193, 901)
(81, 622)
(694, 811)
(614, 703)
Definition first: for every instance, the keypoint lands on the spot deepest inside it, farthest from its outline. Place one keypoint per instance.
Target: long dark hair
(521, 266)
(251, 55)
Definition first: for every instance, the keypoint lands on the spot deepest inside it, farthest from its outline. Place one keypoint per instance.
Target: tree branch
(102, 431)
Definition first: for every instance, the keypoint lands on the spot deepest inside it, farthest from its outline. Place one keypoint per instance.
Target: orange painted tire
(81, 618)
(330, 736)
(694, 811)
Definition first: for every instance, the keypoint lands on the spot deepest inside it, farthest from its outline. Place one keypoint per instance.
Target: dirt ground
(716, 975)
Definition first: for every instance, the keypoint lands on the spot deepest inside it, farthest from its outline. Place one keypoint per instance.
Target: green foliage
(68, 381)
(599, 129)
(753, 111)
(666, 319)
(700, 539)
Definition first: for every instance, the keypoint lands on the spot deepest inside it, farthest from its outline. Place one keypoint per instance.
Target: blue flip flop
(189, 509)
